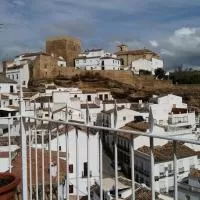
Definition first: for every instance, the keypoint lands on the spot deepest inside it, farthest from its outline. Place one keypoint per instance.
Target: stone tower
(122, 47)
(65, 46)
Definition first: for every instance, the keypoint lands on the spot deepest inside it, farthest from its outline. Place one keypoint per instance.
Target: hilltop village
(128, 90)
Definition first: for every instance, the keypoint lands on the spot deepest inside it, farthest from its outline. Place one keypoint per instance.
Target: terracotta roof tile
(165, 153)
(195, 173)
(17, 166)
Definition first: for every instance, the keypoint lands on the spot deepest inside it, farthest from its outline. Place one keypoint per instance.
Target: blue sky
(171, 28)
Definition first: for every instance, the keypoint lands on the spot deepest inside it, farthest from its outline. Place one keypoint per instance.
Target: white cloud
(183, 32)
(153, 43)
(186, 40)
(166, 52)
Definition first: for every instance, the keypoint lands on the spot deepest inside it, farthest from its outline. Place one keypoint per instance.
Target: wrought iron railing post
(132, 166)
(88, 152)
(116, 152)
(152, 169)
(9, 142)
(23, 147)
(77, 165)
(67, 153)
(175, 172)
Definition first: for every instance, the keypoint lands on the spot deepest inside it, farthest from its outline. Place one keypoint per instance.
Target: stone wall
(128, 58)
(43, 67)
(67, 47)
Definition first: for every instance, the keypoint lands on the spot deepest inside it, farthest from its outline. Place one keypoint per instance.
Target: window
(17, 76)
(71, 189)
(71, 168)
(124, 118)
(24, 82)
(85, 169)
(89, 98)
(106, 96)
(60, 148)
(10, 102)
(101, 97)
(75, 96)
(11, 89)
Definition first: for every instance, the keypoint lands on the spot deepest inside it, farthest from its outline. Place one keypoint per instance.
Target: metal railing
(32, 189)
(50, 186)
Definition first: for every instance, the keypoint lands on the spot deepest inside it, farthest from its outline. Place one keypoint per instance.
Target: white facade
(124, 116)
(20, 74)
(7, 88)
(163, 171)
(97, 60)
(171, 114)
(61, 62)
(147, 65)
(189, 187)
(8, 93)
(70, 96)
(82, 164)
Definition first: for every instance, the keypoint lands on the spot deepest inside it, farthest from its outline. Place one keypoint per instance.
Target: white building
(82, 162)
(189, 187)
(61, 62)
(124, 190)
(147, 65)
(9, 101)
(4, 156)
(171, 114)
(163, 167)
(19, 73)
(97, 59)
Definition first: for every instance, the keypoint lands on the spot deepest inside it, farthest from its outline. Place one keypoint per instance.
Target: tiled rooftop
(17, 165)
(195, 173)
(165, 153)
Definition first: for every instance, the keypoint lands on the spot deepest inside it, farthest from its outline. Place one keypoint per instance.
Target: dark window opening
(102, 63)
(71, 189)
(106, 96)
(71, 168)
(10, 102)
(11, 89)
(85, 169)
(89, 98)
(60, 148)
(101, 97)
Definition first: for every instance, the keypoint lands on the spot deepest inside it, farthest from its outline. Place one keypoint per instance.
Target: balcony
(42, 171)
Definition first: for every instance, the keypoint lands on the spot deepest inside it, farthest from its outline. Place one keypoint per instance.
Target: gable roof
(165, 153)
(17, 165)
(136, 52)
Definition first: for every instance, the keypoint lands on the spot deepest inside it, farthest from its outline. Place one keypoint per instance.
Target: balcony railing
(45, 185)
